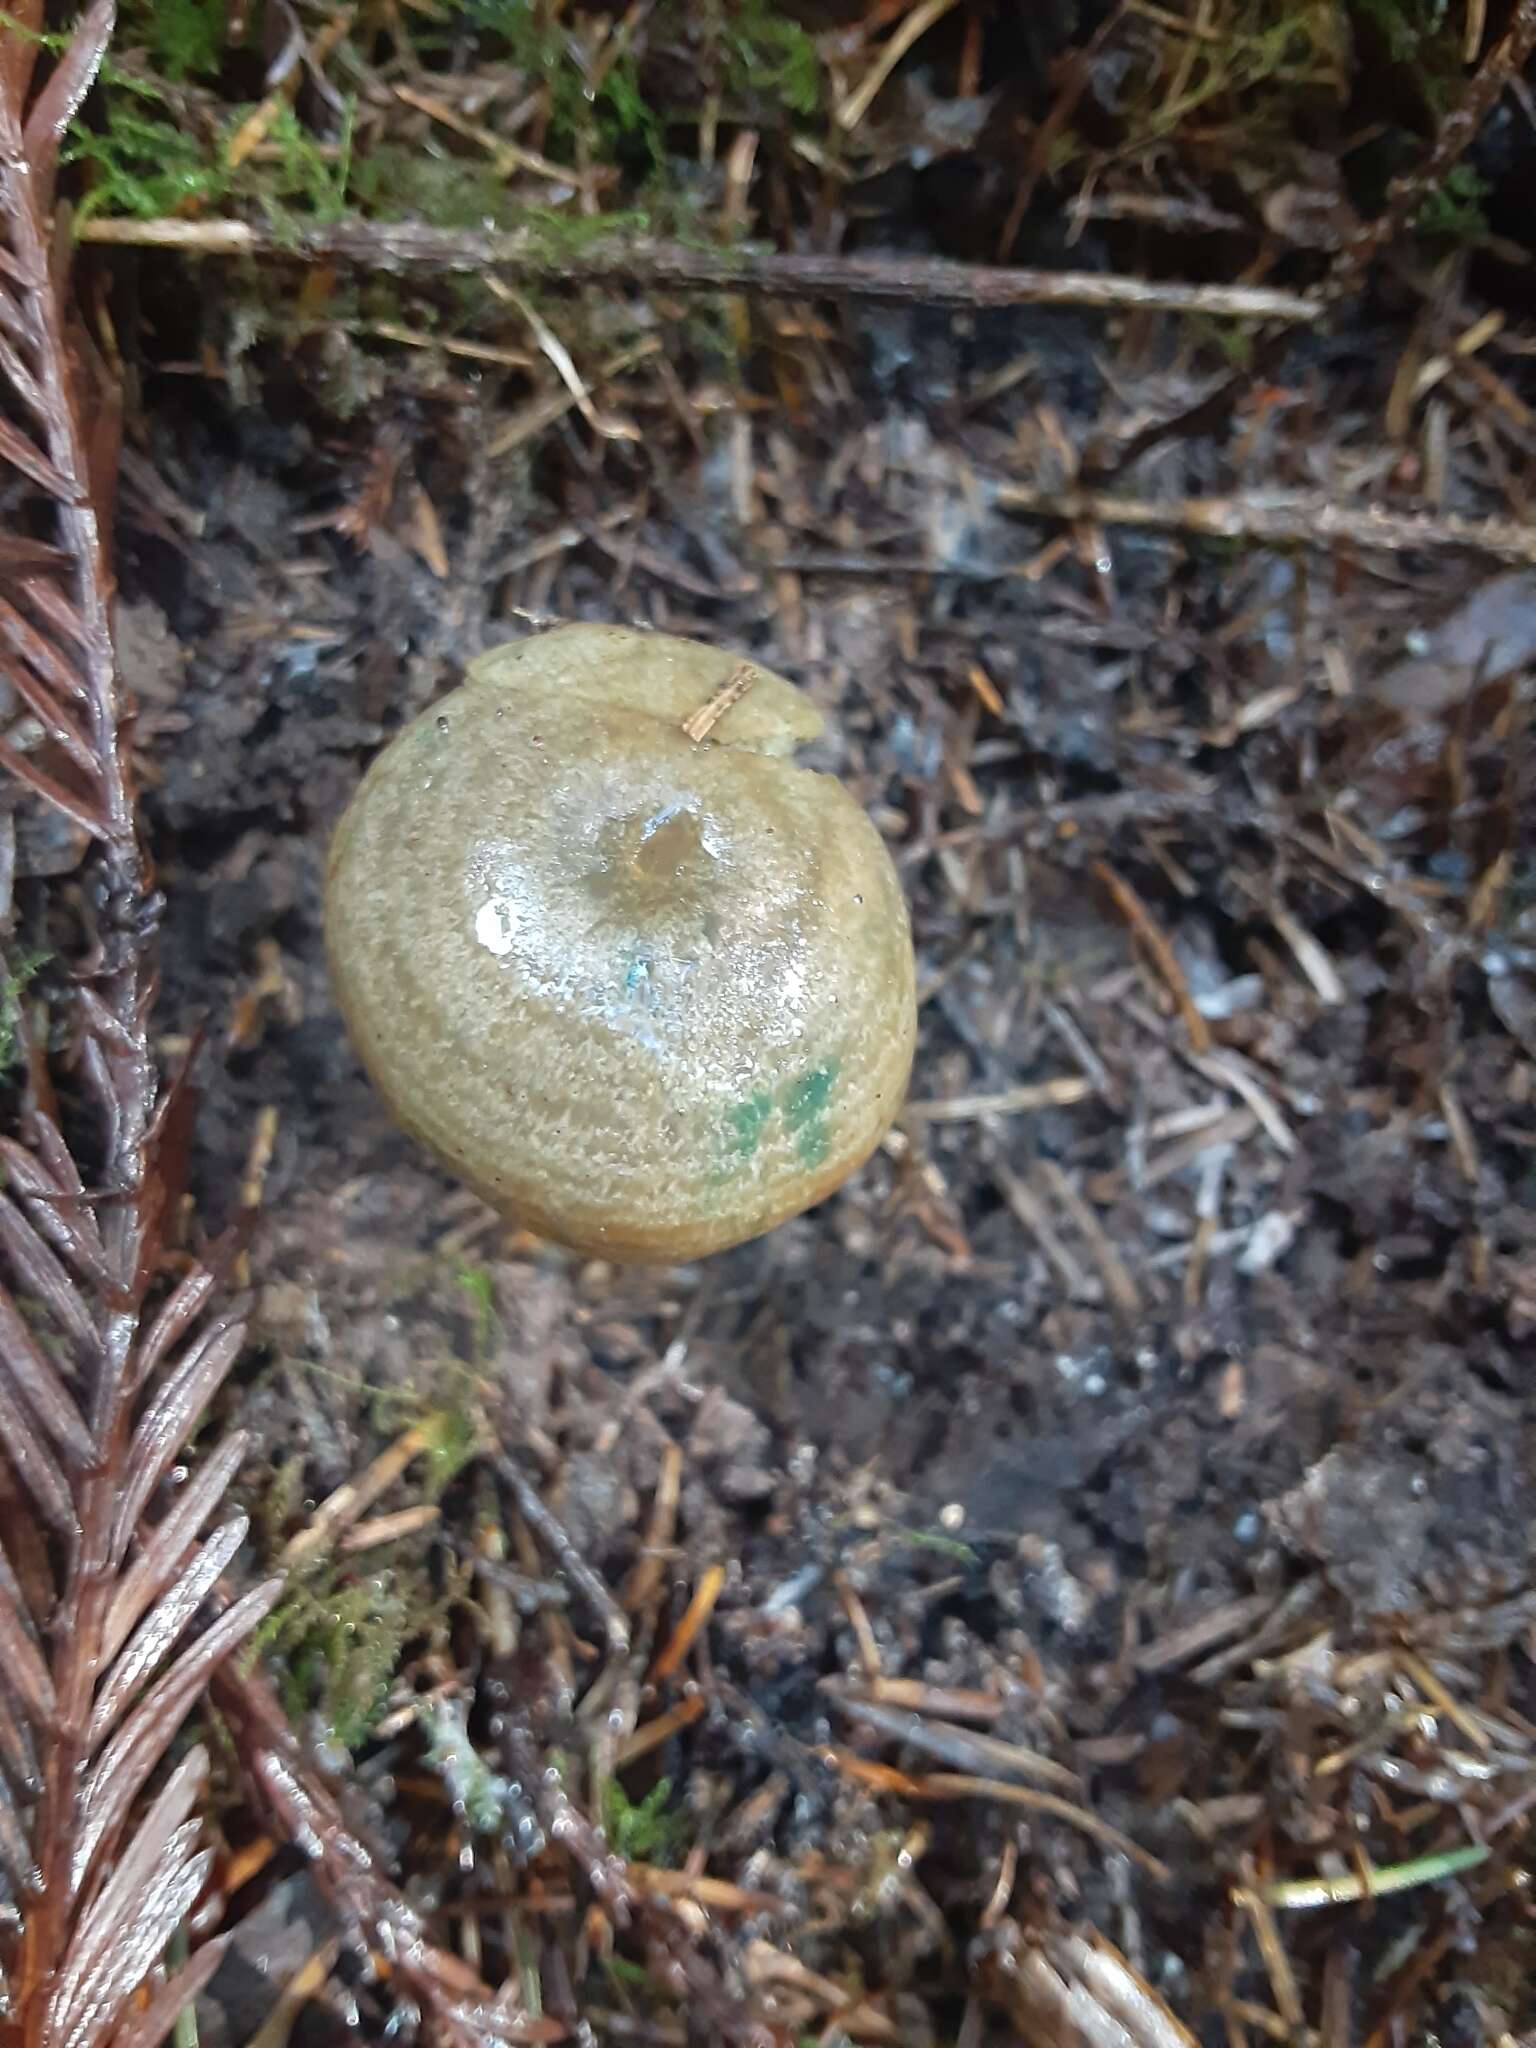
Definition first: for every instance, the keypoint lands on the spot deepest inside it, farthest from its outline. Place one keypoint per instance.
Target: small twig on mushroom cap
(698, 725)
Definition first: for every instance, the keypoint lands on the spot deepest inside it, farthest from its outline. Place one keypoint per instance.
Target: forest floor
(1111, 1514)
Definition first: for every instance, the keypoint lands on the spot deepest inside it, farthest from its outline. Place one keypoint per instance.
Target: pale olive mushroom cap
(648, 996)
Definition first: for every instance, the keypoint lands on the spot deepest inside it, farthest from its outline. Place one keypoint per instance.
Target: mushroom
(636, 977)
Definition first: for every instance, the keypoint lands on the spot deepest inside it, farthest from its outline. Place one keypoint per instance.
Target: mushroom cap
(647, 996)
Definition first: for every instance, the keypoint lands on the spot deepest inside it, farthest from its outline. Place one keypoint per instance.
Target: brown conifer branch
(114, 1622)
(92, 1693)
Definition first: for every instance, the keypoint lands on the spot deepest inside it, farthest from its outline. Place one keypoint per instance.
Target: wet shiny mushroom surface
(648, 994)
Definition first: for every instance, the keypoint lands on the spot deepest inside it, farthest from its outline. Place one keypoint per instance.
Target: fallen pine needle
(1295, 1893)
(959, 1703)
(1282, 1978)
(715, 1892)
(389, 1528)
(652, 1734)
(699, 724)
(1144, 925)
(956, 1747)
(1425, 1679)
(1063, 1988)
(857, 2019)
(342, 1508)
(646, 1576)
(858, 1618)
(942, 1785)
(565, 366)
(957, 1109)
(699, 1609)
(916, 25)
(246, 1863)
(306, 1983)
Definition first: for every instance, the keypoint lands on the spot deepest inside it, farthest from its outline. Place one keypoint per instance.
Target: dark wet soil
(1235, 1334)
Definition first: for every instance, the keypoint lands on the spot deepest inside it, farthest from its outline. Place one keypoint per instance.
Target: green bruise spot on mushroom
(746, 1122)
(805, 1112)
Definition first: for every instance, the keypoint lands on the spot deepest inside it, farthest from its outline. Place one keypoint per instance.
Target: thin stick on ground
(1286, 519)
(403, 246)
(343, 1507)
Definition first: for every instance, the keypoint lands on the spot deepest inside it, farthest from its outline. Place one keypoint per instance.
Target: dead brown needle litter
(940, 1786)
(343, 1508)
(1144, 925)
(652, 1734)
(697, 1613)
(698, 725)
(635, 976)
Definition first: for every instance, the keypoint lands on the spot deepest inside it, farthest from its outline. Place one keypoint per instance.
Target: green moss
(148, 150)
(390, 182)
(453, 1436)
(142, 163)
(145, 163)
(768, 57)
(394, 183)
(1410, 29)
(763, 59)
(643, 1831)
(1262, 56)
(478, 1285)
(623, 115)
(609, 109)
(561, 234)
(303, 181)
(1230, 339)
(1422, 38)
(333, 1644)
(182, 38)
(17, 977)
(1455, 213)
(1258, 75)
(534, 43)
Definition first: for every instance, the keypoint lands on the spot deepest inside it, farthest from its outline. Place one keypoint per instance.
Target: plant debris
(1077, 1584)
